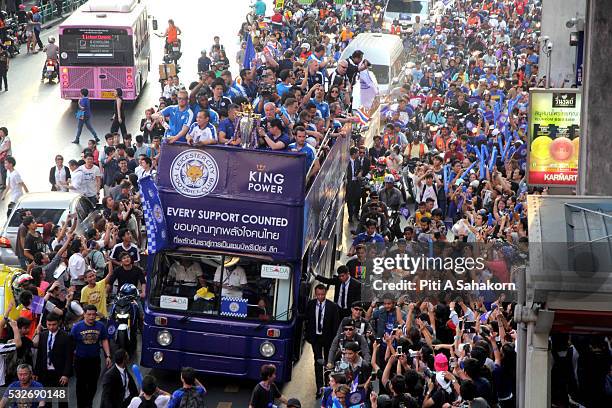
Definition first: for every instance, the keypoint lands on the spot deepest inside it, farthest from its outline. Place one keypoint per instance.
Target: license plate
(175, 49)
(405, 17)
(108, 94)
(50, 69)
(7, 43)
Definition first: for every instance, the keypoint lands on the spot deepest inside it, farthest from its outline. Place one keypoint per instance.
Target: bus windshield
(196, 284)
(96, 46)
(381, 72)
(406, 6)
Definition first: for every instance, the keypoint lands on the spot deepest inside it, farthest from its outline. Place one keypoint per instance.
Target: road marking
(224, 405)
(231, 388)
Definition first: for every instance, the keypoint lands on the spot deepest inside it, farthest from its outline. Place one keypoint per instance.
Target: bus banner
(232, 225)
(233, 173)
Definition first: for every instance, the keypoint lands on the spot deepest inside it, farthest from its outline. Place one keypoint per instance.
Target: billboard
(554, 134)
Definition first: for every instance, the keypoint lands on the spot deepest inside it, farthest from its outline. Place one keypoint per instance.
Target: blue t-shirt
(36, 17)
(88, 339)
(177, 396)
(322, 107)
(260, 8)
(84, 102)
(178, 119)
(214, 116)
(282, 138)
(17, 386)
(307, 149)
(227, 126)
(282, 89)
(364, 238)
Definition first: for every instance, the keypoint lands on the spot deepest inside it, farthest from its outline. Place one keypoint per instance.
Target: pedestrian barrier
(49, 10)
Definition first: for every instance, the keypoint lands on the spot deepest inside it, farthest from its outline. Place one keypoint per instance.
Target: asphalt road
(42, 125)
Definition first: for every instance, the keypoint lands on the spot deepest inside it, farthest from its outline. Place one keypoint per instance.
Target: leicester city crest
(194, 173)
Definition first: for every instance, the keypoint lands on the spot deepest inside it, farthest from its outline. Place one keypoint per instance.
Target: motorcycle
(173, 53)
(125, 318)
(10, 44)
(51, 71)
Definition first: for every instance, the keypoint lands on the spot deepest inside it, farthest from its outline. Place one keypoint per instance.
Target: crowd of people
(450, 159)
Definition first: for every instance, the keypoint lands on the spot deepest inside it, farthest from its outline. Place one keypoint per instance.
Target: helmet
(51, 39)
(35, 9)
(389, 178)
(22, 280)
(127, 289)
(22, 7)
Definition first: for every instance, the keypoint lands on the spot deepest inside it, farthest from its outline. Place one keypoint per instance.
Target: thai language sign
(554, 130)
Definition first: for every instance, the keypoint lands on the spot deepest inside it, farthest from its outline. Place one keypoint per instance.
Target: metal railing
(49, 11)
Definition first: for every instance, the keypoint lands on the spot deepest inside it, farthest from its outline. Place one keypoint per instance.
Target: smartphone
(373, 376)
(469, 327)
(399, 350)
(378, 340)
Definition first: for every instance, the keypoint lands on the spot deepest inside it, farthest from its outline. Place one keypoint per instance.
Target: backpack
(191, 399)
(144, 403)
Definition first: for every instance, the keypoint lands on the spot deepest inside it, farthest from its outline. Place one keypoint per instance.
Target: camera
(265, 89)
(429, 373)
(400, 351)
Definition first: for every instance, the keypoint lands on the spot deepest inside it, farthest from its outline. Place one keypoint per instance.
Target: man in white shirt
(234, 278)
(145, 168)
(91, 180)
(14, 183)
(185, 272)
(202, 132)
(77, 265)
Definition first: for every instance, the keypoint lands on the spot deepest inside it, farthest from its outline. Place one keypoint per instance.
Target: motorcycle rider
(391, 195)
(52, 52)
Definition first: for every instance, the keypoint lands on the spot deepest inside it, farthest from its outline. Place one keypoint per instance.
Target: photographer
(275, 139)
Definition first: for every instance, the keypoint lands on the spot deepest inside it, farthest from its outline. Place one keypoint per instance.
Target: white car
(45, 207)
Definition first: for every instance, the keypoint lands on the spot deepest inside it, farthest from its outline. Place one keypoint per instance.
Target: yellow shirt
(95, 296)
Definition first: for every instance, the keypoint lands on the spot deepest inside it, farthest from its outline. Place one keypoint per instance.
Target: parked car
(46, 207)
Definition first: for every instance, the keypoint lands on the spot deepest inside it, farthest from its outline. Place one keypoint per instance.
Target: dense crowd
(448, 166)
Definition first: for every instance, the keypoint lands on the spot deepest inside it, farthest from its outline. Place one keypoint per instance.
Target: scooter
(124, 318)
(50, 72)
(10, 44)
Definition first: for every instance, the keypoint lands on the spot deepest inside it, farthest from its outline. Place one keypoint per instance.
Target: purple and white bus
(246, 234)
(105, 45)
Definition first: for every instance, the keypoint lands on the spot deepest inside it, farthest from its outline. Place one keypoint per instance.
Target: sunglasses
(348, 329)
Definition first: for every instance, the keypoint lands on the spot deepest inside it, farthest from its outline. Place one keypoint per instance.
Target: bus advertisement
(245, 235)
(103, 46)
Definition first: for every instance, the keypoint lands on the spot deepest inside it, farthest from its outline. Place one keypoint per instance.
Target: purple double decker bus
(246, 232)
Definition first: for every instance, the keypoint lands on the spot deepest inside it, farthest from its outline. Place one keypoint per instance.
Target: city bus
(104, 45)
(246, 236)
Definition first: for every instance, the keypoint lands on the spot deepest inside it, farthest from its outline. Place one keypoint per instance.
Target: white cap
(306, 45)
(495, 132)
(389, 178)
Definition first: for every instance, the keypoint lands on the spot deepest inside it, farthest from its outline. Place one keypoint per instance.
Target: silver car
(45, 207)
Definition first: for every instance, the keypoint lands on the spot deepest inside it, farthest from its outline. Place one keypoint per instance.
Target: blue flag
(157, 233)
(249, 52)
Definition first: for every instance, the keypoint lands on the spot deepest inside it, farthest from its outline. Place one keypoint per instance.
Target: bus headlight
(267, 349)
(158, 356)
(164, 338)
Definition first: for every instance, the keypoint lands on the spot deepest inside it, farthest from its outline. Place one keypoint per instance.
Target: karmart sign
(554, 137)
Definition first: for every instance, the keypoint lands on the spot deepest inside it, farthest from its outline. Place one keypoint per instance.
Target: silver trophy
(247, 123)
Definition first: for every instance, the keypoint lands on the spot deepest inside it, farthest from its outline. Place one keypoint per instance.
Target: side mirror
(154, 24)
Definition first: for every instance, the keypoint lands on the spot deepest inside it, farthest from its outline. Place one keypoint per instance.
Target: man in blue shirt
(25, 382)
(260, 8)
(319, 102)
(180, 118)
(301, 146)
(276, 138)
(88, 336)
(227, 128)
(202, 104)
(367, 237)
(192, 389)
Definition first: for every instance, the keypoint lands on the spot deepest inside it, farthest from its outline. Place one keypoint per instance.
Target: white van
(405, 12)
(385, 52)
